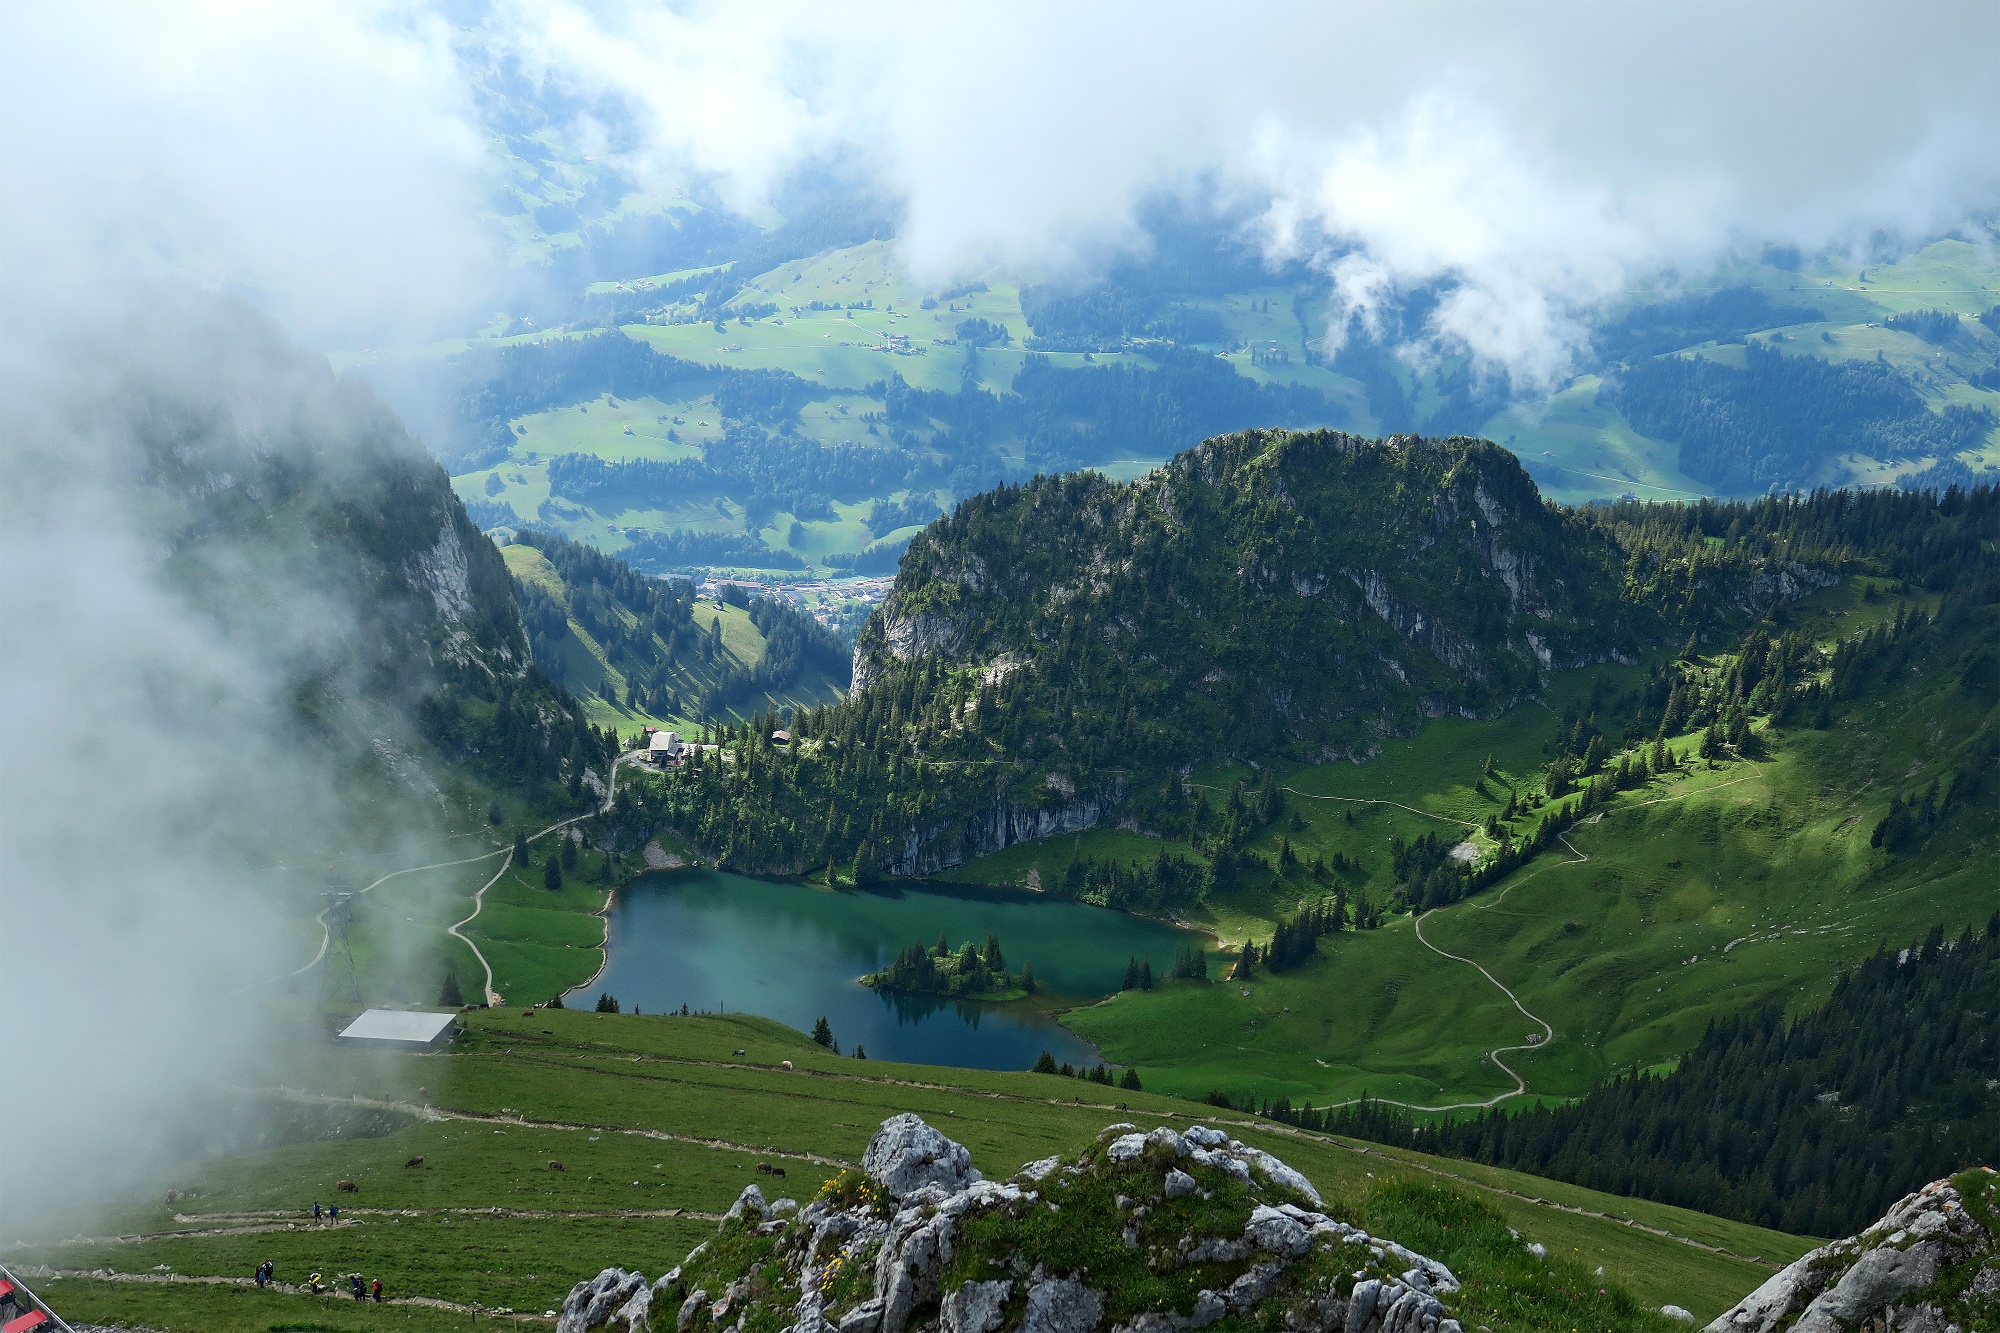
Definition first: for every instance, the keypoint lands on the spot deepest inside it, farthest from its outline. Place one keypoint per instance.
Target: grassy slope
(1604, 948)
(653, 1114)
(589, 675)
(1569, 438)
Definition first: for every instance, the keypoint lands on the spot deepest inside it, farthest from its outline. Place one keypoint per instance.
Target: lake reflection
(716, 941)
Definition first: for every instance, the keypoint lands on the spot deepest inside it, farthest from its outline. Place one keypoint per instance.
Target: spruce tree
(994, 958)
(1145, 974)
(520, 849)
(860, 1051)
(823, 1033)
(568, 853)
(606, 1004)
(1131, 1081)
(555, 1001)
(449, 995)
(1028, 977)
(942, 948)
(1131, 981)
(552, 878)
(1046, 1064)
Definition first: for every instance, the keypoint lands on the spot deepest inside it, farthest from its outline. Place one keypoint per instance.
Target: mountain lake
(721, 942)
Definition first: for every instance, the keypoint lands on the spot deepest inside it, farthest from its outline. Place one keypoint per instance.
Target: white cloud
(318, 156)
(1534, 158)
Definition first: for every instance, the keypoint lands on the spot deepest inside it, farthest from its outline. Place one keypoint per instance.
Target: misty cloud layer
(328, 160)
(164, 816)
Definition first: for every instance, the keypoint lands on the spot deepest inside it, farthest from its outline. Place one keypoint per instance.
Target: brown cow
(414, 1161)
(348, 1187)
(770, 1170)
(555, 1166)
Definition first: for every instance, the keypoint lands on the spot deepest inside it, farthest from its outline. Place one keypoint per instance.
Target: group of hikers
(267, 1271)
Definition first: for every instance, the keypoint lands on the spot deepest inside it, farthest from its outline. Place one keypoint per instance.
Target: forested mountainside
(601, 627)
(1052, 655)
(1812, 1125)
(271, 482)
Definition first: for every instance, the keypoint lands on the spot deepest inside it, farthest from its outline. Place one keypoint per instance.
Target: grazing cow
(770, 1170)
(348, 1187)
(414, 1161)
(555, 1166)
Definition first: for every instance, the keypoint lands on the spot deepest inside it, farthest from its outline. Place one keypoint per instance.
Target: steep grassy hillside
(658, 1123)
(648, 651)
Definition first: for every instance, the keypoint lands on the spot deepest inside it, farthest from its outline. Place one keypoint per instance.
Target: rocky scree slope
(1143, 1233)
(1931, 1265)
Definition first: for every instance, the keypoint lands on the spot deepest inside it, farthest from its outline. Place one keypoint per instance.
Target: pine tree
(568, 853)
(520, 857)
(860, 1051)
(1028, 977)
(555, 1001)
(942, 948)
(823, 1032)
(552, 878)
(1131, 981)
(493, 815)
(605, 1003)
(994, 958)
(1145, 974)
(1131, 1081)
(1046, 1064)
(449, 995)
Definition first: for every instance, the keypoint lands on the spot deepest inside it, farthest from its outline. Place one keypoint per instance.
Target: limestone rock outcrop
(1931, 1265)
(1144, 1232)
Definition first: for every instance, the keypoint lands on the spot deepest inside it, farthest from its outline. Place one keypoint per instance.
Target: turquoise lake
(716, 941)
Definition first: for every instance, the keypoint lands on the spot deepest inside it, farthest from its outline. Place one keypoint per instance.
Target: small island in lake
(967, 973)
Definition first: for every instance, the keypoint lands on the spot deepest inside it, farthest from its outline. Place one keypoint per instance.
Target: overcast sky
(327, 159)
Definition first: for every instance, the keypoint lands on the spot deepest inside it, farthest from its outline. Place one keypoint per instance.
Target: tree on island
(995, 960)
(450, 995)
(1028, 977)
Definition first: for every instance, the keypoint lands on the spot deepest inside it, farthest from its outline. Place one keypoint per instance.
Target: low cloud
(1532, 161)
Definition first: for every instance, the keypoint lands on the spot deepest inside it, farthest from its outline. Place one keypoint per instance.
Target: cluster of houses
(666, 749)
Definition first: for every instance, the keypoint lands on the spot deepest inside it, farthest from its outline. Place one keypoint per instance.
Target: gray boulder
(605, 1298)
(906, 1154)
(1921, 1267)
(1062, 1305)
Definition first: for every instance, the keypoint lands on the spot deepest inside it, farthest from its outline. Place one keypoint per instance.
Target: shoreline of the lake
(793, 950)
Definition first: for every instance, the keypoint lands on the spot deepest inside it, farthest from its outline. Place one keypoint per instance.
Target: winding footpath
(1533, 1043)
(479, 897)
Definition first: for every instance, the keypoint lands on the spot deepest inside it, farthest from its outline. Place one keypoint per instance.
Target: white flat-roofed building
(403, 1027)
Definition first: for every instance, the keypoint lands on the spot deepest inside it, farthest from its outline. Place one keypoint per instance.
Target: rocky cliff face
(1931, 1265)
(1154, 1232)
